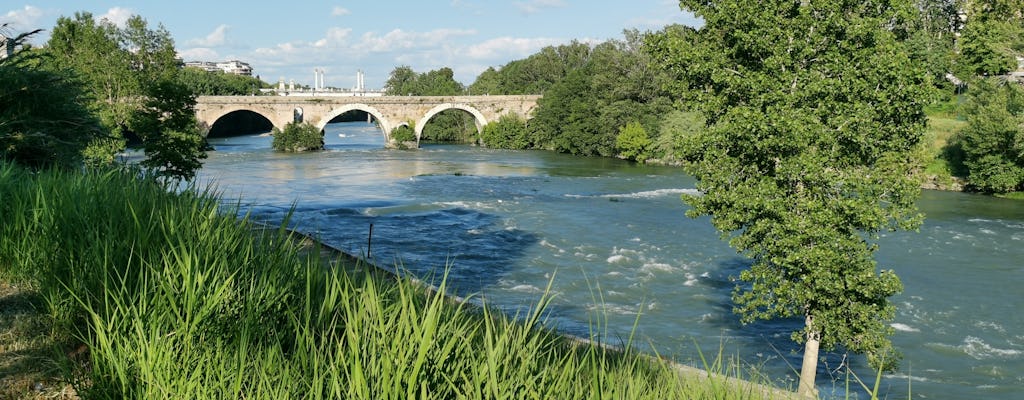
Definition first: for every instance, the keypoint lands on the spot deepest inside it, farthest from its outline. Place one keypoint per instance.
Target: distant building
(229, 67)
(6, 47)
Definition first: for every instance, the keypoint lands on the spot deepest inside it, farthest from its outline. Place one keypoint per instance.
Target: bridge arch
(385, 125)
(235, 111)
(477, 115)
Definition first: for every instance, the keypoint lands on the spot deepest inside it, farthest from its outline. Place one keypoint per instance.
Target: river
(612, 239)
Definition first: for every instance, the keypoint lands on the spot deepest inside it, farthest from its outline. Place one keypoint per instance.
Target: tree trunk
(809, 368)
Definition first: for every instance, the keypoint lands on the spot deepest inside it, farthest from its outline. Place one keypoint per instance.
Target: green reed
(175, 297)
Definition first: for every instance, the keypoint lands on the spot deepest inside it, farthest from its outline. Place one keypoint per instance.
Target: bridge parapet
(388, 111)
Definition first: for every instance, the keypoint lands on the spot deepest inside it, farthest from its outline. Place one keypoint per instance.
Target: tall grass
(176, 299)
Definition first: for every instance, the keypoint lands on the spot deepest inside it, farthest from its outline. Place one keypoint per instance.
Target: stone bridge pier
(389, 111)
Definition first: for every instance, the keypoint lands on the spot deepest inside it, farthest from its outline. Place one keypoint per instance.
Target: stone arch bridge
(389, 111)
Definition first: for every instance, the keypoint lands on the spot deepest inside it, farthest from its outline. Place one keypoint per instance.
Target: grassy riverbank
(115, 288)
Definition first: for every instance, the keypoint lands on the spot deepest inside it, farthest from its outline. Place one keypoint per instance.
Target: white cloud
(536, 6)
(199, 54)
(24, 19)
(117, 16)
(340, 11)
(508, 48)
(403, 40)
(216, 38)
(335, 38)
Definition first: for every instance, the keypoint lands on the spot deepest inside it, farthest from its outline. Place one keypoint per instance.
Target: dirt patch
(29, 355)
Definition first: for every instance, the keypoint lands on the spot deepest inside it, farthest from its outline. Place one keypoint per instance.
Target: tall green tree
(992, 37)
(536, 73)
(583, 112)
(934, 37)
(133, 75)
(44, 115)
(402, 82)
(217, 83)
(814, 111)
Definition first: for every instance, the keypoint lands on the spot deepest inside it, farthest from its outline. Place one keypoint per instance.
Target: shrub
(403, 134)
(508, 132)
(297, 137)
(633, 142)
(992, 142)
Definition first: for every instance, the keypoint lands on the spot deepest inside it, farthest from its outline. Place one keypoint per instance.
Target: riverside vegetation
(612, 99)
(161, 294)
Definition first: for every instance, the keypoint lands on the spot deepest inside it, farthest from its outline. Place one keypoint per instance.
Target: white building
(6, 47)
(229, 67)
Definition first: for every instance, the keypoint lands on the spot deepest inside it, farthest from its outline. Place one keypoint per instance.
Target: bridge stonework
(388, 111)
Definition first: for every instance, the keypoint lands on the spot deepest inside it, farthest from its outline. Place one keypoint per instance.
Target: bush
(633, 142)
(403, 134)
(297, 137)
(508, 132)
(992, 142)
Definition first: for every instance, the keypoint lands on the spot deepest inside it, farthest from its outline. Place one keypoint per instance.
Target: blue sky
(291, 38)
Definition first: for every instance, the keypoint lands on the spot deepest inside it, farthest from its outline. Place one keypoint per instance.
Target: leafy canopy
(44, 116)
(132, 76)
(814, 111)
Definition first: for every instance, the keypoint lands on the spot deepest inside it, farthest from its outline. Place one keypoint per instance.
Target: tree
(440, 82)
(488, 82)
(406, 82)
(401, 82)
(534, 74)
(814, 111)
(218, 83)
(633, 142)
(298, 137)
(992, 143)
(133, 76)
(44, 118)
(582, 112)
(934, 37)
(992, 38)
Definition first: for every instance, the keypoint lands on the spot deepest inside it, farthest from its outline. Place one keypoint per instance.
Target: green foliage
(534, 74)
(44, 115)
(992, 143)
(581, 113)
(633, 142)
(174, 298)
(216, 83)
(992, 37)
(298, 137)
(452, 125)
(934, 37)
(132, 74)
(406, 82)
(508, 132)
(815, 114)
(488, 82)
(676, 127)
(403, 134)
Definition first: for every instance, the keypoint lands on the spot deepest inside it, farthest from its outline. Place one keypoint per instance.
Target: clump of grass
(941, 130)
(174, 298)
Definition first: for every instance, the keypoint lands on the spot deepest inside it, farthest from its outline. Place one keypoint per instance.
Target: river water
(622, 260)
